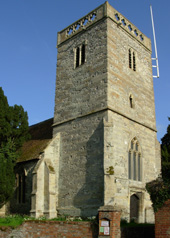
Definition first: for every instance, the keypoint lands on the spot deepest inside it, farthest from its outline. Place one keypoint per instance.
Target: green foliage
(12, 221)
(13, 123)
(16, 220)
(7, 178)
(4, 118)
(159, 189)
(165, 152)
(13, 132)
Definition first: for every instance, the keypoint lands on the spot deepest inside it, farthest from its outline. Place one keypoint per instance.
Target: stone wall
(162, 221)
(5, 231)
(83, 90)
(124, 81)
(81, 180)
(122, 131)
(4, 210)
(100, 107)
(45, 181)
(80, 102)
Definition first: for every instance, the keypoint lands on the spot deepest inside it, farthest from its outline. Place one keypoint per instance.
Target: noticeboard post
(104, 227)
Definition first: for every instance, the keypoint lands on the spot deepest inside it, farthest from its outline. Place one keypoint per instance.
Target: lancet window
(20, 190)
(134, 161)
(80, 55)
(132, 60)
(131, 101)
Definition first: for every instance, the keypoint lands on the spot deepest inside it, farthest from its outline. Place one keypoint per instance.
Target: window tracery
(20, 182)
(132, 60)
(80, 55)
(134, 161)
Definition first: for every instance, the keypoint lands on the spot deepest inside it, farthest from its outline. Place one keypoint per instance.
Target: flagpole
(156, 54)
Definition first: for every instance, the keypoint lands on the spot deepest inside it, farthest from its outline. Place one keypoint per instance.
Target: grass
(11, 221)
(16, 220)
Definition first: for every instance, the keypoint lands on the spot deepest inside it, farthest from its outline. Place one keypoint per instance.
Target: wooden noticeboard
(104, 227)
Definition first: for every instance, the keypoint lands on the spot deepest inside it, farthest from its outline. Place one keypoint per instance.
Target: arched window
(77, 56)
(83, 54)
(134, 161)
(131, 101)
(80, 55)
(132, 60)
(20, 187)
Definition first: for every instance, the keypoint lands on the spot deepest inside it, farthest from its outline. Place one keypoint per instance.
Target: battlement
(103, 11)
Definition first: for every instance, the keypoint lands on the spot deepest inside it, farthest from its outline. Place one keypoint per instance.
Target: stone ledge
(109, 208)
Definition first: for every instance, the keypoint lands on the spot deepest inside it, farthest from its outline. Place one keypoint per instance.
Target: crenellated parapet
(103, 11)
(80, 25)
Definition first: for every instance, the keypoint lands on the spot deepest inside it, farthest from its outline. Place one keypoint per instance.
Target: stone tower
(105, 117)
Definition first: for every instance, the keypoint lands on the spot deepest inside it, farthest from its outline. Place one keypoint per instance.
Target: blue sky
(28, 54)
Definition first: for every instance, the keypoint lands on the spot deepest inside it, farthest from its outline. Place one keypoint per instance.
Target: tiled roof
(41, 134)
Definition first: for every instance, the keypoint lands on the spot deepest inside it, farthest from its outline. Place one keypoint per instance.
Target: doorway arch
(134, 208)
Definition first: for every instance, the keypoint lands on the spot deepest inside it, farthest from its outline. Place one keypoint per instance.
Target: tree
(13, 132)
(7, 177)
(13, 122)
(159, 189)
(4, 118)
(165, 155)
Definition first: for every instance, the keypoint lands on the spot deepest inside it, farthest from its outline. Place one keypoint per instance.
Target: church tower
(105, 116)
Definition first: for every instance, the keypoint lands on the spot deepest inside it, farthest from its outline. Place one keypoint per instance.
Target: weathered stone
(103, 103)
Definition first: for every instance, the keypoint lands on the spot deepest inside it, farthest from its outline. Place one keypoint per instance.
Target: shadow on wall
(91, 196)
